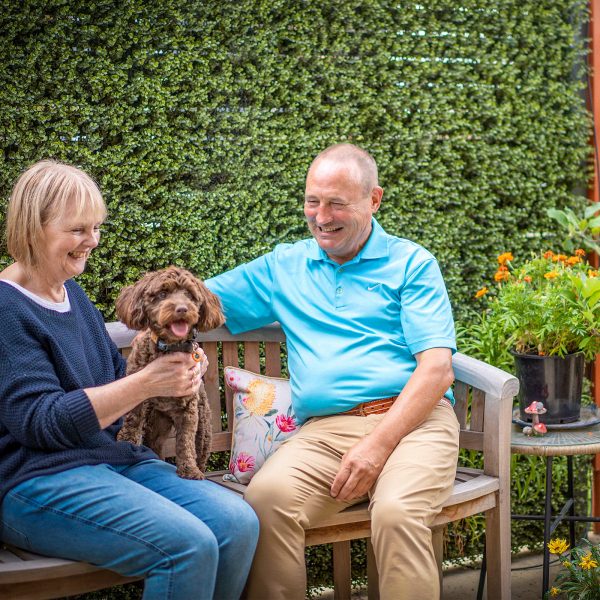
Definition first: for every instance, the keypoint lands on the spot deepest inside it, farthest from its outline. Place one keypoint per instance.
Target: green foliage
(549, 305)
(199, 120)
(580, 231)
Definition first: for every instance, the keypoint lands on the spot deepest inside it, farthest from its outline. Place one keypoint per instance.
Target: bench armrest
(488, 379)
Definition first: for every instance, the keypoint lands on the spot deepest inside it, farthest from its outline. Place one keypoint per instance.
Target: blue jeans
(191, 540)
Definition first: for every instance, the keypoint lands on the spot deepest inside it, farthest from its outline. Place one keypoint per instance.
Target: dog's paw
(189, 472)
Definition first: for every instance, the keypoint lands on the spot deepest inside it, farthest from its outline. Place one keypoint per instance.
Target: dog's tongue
(179, 328)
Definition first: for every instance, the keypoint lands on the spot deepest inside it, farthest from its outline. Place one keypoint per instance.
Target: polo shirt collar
(376, 246)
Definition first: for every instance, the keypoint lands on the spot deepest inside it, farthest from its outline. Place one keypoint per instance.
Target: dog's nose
(181, 309)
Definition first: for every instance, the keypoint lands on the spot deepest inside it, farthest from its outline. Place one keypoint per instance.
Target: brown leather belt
(375, 407)
(372, 408)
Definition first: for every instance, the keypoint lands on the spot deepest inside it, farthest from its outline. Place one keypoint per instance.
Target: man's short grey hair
(365, 164)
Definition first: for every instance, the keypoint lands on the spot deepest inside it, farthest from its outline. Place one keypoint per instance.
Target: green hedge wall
(200, 118)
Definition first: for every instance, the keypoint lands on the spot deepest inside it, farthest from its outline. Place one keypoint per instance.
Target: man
(368, 325)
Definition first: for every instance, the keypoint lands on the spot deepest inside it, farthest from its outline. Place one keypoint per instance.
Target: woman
(67, 487)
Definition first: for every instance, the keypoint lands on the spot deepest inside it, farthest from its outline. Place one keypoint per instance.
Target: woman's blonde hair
(44, 192)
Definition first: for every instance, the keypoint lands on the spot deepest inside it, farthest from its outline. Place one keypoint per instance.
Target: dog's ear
(130, 304)
(211, 315)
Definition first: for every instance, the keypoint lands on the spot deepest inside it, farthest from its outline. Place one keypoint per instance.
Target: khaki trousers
(291, 492)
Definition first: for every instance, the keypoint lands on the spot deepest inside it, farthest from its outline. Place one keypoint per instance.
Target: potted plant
(546, 312)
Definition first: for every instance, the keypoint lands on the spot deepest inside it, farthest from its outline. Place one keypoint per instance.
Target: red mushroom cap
(535, 408)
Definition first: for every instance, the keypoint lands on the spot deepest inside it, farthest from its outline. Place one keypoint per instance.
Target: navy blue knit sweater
(47, 423)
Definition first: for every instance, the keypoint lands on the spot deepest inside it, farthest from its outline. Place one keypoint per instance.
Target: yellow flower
(261, 396)
(482, 292)
(587, 562)
(592, 273)
(554, 591)
(566, 563)
(551, 274)
(558, 546)
(505, 257)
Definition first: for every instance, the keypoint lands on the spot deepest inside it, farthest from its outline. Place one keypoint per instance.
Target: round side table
(565, 442)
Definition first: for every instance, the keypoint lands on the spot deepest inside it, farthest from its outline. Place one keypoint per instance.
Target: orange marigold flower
(501, 275)
(580, 252)
(505, 257)
(573, 260)
(527, 278)
(548, 254)
(559, 257)
(592, 273)
(551, 274)
(482, 292)
(502, 268)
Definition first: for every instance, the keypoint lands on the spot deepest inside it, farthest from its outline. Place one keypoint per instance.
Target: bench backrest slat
(461, 395)
(211, 381)
(252, 356)
(273, 359)
(230, 359)
(477, 409)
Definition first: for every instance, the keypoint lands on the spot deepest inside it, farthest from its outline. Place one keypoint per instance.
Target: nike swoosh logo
(370, 288)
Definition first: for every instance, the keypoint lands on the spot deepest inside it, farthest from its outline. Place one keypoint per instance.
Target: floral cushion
(262, 419)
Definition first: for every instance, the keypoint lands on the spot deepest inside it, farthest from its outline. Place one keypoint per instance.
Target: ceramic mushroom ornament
(535, 409)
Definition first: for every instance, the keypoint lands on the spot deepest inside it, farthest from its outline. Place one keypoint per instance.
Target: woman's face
(66, 246)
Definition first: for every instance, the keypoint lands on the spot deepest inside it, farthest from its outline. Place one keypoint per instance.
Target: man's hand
(359, 470)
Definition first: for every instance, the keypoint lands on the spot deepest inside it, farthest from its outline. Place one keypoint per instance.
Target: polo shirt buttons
(339, 290)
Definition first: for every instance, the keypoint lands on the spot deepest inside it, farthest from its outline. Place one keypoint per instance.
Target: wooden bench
(484, 397)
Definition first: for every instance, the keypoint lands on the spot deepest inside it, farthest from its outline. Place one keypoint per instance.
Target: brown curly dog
(170, 305)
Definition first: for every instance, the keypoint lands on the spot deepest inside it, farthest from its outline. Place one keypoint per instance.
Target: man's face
(338, 209)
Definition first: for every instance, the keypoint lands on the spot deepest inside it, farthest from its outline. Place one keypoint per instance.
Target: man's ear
(376, 196)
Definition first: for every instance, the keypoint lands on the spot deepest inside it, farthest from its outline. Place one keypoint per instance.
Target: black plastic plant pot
(553, 380)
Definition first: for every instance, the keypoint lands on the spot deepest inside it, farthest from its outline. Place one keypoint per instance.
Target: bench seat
(484, 397)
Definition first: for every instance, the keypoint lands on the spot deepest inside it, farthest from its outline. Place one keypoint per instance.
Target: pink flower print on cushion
(245, 462)
(285, 424)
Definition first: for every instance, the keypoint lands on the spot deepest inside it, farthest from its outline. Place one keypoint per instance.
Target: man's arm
(245, 294)
(363, 463)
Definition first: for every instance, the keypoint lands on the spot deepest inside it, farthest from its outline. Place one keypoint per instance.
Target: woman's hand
(175, 374)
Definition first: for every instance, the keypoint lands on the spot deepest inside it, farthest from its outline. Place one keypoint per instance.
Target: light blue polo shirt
(352, 330)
